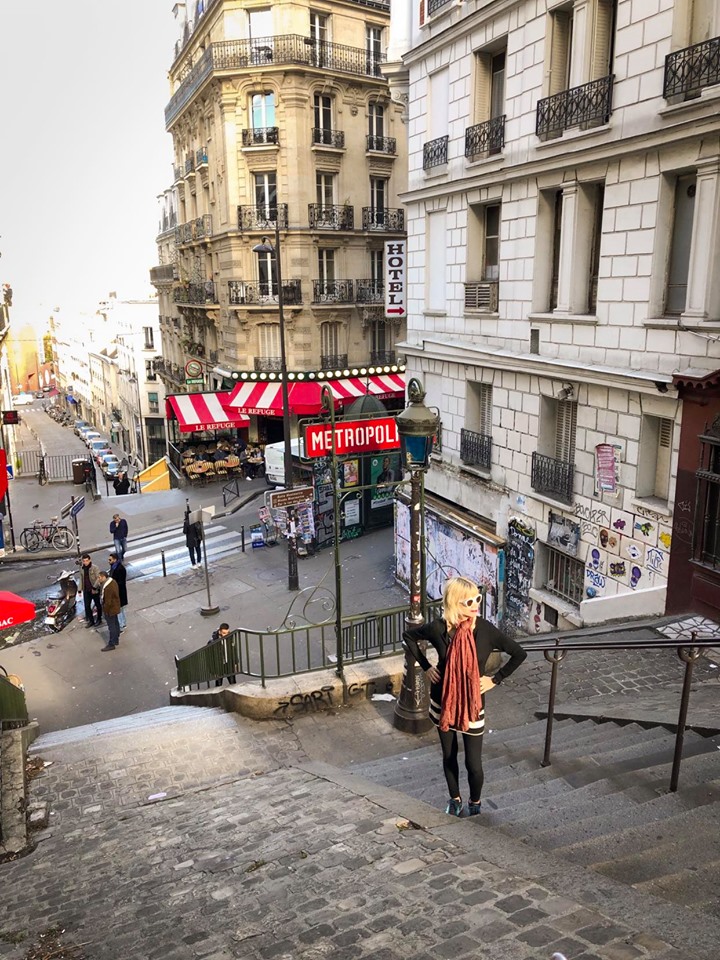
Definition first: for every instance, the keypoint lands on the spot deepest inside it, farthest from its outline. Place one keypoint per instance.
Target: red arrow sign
(398, 310)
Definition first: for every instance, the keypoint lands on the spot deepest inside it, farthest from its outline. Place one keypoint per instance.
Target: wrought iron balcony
(267, 364)
(163, 273)
(553, 477)
(381, 144)
(235, 55)
(482, 295)
(383, 218)
(690, 70)
(435, 152)
(370, 291)
(196, 292)
(434, 5)
(201, 158)
(591, 102)
(244, 294)
(170, 371)
(331, 217)
(260, 136)
(328, 138)
(333, 291)
(177, 174)
(263, 217)
(189, 165)
(336, 361)
(198, 229)
(485, 139)
(383, 357)
(475, 449)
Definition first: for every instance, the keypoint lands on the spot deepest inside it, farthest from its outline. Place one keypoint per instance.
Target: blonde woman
(463, 641)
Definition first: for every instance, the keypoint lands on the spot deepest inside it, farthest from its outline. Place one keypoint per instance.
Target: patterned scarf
(461, 698)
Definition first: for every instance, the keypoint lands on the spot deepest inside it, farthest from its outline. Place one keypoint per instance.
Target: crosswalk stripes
(144, 559)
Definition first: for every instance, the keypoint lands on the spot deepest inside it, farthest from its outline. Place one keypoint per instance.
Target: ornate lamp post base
(411, 709)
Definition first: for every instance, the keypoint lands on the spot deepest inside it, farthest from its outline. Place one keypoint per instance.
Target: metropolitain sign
(352, 436)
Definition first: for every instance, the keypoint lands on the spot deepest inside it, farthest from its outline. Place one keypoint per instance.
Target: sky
(83, 149)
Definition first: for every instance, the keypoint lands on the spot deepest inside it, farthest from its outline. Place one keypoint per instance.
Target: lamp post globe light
(267, 247)
(417, 427)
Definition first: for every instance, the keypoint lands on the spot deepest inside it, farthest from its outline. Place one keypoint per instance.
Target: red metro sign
(352, 436)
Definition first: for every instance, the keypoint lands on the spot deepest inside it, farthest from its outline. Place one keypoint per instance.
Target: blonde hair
(456, 590)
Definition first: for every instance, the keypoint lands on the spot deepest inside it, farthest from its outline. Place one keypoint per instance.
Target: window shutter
(565, 424)
(269, 335)
(483, 78)
(602, 41)
(559, 52)
(664, 453)
(703, 25)
(485, 409)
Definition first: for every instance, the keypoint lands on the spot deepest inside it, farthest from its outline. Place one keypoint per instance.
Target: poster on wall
(519, 565)
(563, 534)
(605, 468)
(384, 475)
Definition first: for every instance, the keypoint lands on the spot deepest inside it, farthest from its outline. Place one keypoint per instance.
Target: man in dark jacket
(193, 540)
(111, 607)
(119, 532)
(121, 484)
(90, 585)
(119, 574)
(224, 651)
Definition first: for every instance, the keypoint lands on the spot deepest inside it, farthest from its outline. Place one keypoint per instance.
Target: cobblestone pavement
(251, 851)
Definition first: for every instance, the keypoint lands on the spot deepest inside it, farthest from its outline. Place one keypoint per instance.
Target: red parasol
(14, 610)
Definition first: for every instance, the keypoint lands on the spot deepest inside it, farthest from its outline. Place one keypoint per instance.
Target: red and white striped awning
(265, 399)
(204, 411)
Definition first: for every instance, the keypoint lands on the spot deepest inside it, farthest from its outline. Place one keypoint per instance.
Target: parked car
(110, 464)
(84, 431)
(90, 436)
(22, 399)
(39, 394)
(99, 452)
(98, 445)
(78, 425)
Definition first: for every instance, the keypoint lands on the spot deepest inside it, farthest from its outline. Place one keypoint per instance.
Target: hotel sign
(395, 254)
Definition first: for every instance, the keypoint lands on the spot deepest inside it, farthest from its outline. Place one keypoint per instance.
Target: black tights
(473, 762)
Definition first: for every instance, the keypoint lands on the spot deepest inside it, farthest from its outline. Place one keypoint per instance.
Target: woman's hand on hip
(487, 683)
(433, 675)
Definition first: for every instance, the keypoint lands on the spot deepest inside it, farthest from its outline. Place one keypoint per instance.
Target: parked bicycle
(43, 533)
(42, 471)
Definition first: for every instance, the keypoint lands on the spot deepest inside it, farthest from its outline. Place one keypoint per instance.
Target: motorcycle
(60, 610)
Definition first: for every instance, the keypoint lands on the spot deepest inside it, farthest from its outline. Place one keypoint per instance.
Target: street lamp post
(267, 247)
(417, 427)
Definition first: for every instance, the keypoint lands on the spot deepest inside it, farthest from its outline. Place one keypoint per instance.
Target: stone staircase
(603, 803)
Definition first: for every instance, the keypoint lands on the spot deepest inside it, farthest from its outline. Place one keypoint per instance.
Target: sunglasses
(473, 601)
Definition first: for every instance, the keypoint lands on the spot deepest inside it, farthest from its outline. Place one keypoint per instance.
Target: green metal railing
(13, 709)
(267, 654)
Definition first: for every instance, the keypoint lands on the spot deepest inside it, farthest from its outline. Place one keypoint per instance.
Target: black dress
(487, 639)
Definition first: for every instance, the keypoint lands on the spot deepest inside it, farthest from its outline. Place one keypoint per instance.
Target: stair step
(696, 887)
(601, 744)
(540, 810)
(535, 732)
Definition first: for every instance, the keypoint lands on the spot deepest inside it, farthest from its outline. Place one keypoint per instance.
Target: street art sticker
(563, 534)
(645, 530)
(665, 537)
(519, 563)
(609, 540)
(622, 522)
(632, 550)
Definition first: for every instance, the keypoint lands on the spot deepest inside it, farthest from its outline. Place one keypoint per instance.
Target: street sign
(65, 512)
(77, 507)
(352, 436)
(197, 380)
(281, 499)
(203, 515)
(395, 278)
(10, 418)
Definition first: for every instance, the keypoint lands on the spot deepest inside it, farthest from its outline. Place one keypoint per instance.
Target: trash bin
(78, 470)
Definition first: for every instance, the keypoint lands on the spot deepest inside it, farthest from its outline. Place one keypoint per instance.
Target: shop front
(201, 418)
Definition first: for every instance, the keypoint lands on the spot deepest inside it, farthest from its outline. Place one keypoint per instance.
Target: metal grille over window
(435, 152)
(485, 139)
(475, 448)
(565, 576)
(553, 477)
(584, 104)
(706, 530)
(690, 70)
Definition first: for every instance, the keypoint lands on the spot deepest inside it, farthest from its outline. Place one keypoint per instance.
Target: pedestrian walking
(463, 641)
(119, 574)
(111, 606)
(91, 591)
(121, 484)
(225, 650)
(119, 533)
(193, 539)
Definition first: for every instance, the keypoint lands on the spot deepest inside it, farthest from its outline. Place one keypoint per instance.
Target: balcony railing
(244, 294)
(196, 292)
(336, 361)
(690, 70)
(485, 139)
(198, 229)
(333, 291)
(263, 217)
(331, 217)
(328, 138)
(370, 291)
(588, 103)
(177, 174)
(553, 477)
(434, 5)
(267, 364)
(260, 136)
(482, 295)
(163, 273)
(383, 357)
(475, 449)
(383, 218)
(381, 144)
(201, 157)
(288, 49)
(170, 371)
(435, 153)
(189, 165)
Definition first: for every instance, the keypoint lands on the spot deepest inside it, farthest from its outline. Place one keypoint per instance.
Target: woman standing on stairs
(464, 642)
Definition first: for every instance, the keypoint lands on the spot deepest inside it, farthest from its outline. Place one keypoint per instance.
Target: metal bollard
(242, 531)
(162, 557)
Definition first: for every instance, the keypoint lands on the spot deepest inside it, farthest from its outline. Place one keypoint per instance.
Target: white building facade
(563, 216)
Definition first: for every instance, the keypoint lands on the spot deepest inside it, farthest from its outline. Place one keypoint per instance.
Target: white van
(275, 461)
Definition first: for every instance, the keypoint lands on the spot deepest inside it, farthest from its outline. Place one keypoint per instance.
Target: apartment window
(377, 265)
(383, 342)
(153, 403)
(268, 340)
(149, 338)
(476, 436)
(373, 50)
(435, 267)
(491, 251)
(565, 576)
(603, 39)
(597, 221)
(330, 339)
(266, 195)
(150, 373)
(653, 474)
(489, 86)
(439, 97)
(325, 189)
(706, 535)
(376, 120)
(322, 107)
(378, 193)
(262, 110)
(261, 35)
(679, 262)
(556, 246)
(553, 464)
(267, 274)
(326, 268)
(560, 60)
(565, 429)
